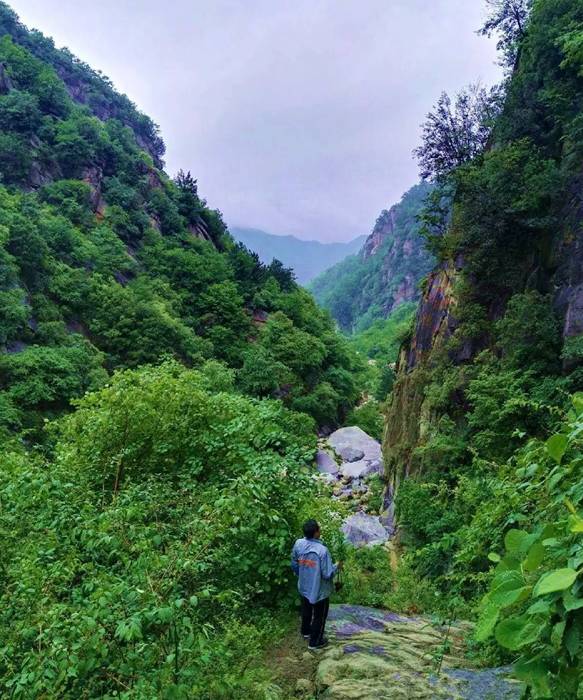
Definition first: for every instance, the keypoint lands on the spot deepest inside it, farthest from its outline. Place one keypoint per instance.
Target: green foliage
(96, 241)
(534, 602)
(364, 288)
(134, 560)
(380, 344)
(47, 378)
(369, 417)
(368, 578)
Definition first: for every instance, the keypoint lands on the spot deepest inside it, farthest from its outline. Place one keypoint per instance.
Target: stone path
(378, 655)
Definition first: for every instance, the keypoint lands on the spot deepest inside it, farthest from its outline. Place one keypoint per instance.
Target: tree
(456, 132)
(508, 19)
(284, 275)
(186, 183)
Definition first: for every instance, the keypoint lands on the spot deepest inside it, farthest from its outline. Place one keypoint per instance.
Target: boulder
(350, 454)
(355, 438)
(325, 463)
(356, 470)
(362, 529)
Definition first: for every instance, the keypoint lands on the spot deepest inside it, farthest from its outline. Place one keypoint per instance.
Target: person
(312, 564)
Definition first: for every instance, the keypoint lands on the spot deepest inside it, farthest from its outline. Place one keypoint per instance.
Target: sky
(296, 116)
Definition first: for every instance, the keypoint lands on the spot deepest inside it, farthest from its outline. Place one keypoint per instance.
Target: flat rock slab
(362, 529)
(378, 655)
(325, 463)
(355, 470)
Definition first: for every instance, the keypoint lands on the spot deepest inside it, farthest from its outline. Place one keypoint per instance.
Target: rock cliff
(385, 273)
(515, 239)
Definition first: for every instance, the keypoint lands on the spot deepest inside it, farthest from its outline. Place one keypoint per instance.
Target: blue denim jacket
(312, 564)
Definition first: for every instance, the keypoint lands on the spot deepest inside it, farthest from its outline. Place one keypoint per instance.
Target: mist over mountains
(307, 258)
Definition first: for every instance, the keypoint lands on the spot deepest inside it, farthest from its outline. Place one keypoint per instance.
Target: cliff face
(517, 230)
(385, 273)
(568, 279)
(408, 414)
(404, 258)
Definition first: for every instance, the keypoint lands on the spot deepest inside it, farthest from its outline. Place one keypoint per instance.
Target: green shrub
(140, 560)
(534, 604)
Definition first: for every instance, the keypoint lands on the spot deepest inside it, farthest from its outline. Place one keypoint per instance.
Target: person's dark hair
(310, 528)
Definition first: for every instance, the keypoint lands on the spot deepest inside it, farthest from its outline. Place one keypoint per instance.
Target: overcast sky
(296, 116)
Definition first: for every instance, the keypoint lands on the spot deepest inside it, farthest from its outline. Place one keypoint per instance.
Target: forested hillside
(161, 391)
(385, 273)
(482, 439)
(152, 471)
(306, 258)
(107, 263)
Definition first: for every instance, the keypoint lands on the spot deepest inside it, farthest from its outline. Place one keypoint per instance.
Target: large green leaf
(543, 606)
(518, 631)
(535, 673)
(557, 634)
(577, 400)
(534, 557)
(517, 540)
(486, 622)
(571, 602)
(572, 640)
(575, 524)
(557, 580)
(556, 446)
(509, 593)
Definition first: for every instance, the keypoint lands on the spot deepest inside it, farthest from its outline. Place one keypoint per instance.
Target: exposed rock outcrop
(379, 655)
(386, 272)
(5, 81)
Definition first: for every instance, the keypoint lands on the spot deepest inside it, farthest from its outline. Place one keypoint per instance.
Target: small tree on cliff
(508, 19)
(455, 132)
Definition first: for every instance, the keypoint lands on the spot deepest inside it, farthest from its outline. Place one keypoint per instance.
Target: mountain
(385, 273)
(107, 263)
(483, 425)
(307, 258)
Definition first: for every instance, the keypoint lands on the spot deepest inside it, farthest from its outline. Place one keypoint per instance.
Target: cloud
(296, 117)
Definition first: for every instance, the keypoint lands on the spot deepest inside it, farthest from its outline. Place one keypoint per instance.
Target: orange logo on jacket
(307, 562)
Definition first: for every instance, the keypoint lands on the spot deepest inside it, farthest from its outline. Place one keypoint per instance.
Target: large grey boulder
(355, 470)
(350, 454)
(355, 438)
(361, 529)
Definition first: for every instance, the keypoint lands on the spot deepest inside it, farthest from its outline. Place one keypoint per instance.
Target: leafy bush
(135, 561)
(368, 416)
(95, 239)
(535, 599)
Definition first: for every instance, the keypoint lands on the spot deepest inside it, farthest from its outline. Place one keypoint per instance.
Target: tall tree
(507, 19)
(455, 132)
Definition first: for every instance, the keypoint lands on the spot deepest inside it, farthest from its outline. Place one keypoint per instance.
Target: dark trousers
(314, 619)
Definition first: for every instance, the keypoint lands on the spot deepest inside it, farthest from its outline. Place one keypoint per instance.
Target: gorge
(173, 408)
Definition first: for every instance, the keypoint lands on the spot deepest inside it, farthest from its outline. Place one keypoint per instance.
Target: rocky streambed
(376, 654)
(352, 463)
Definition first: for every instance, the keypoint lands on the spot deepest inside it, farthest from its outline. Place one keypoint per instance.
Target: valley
(175, 404)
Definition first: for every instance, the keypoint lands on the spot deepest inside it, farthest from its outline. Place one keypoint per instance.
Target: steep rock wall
(407, 415)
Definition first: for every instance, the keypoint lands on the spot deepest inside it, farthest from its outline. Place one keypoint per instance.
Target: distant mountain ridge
(307, 258)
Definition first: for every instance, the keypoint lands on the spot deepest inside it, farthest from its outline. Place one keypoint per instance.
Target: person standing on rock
(312, 564)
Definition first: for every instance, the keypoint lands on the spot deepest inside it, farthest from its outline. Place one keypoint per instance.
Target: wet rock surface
(348, 459)
(376, 655)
